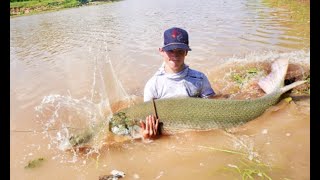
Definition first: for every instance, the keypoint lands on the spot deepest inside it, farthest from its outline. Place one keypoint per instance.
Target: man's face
(174, 59)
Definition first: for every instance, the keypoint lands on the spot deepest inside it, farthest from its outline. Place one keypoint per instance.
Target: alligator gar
(181, 114)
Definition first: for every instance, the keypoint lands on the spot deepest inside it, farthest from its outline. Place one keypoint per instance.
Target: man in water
(174, 78)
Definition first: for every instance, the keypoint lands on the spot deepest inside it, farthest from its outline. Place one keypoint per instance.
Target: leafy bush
(83, 1)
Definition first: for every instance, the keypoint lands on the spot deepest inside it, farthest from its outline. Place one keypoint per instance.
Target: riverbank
(22, 8)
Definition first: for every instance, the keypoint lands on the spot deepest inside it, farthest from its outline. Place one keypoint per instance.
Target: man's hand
(149, 128)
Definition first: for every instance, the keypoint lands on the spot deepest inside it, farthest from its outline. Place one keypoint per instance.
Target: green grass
(29, 7)
(37, 6)
(39, 3)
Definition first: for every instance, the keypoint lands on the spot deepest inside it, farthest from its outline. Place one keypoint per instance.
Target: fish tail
(290, 86)
(275, 80)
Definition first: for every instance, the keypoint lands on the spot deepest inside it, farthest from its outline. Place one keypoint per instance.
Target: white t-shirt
(186, 83)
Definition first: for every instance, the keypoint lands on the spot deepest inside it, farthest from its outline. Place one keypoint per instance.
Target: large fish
(183, 114)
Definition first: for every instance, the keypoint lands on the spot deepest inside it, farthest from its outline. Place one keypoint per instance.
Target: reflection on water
(69, 68)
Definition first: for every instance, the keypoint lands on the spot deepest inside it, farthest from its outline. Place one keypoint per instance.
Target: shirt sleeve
(149, 90)
(206, 90)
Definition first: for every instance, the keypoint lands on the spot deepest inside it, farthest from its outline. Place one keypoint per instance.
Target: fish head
(121, 124)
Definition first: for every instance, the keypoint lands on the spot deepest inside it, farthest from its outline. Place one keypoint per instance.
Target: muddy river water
(68, 70)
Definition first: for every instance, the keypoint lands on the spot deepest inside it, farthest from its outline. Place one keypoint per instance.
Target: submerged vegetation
(305, 89)
(248, 167)
(34, 163)
(241, 81)
(246, 75)
(300, 8)
(28, 7)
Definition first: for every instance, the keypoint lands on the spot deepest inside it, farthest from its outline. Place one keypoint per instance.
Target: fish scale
(202, 114)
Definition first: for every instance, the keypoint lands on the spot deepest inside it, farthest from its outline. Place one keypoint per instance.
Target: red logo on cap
(174, 33)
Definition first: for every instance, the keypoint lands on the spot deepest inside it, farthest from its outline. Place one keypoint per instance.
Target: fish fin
(292, 85)
(275, 80)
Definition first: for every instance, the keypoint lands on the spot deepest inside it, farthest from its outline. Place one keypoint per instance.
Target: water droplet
(136, 176)
(264, 131)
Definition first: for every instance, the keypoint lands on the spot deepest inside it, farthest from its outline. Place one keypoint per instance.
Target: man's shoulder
(155, 78)
(195, 74)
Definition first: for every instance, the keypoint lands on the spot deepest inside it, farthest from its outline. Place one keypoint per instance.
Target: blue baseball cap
(175, 38)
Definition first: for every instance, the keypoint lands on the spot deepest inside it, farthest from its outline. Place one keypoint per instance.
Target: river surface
(70, 68)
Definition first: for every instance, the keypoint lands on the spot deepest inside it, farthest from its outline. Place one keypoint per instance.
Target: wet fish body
(182, 114)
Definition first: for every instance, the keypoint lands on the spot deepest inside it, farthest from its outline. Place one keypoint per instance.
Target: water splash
(300, 57)
(66, 115)
(238, 76)
(62, 116)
